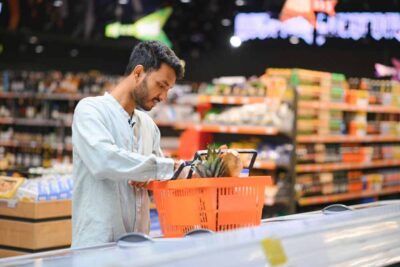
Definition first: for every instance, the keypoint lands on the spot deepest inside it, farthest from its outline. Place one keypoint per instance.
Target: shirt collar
(114, 101)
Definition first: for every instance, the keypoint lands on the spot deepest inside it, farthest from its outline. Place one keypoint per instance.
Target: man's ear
(137, 72)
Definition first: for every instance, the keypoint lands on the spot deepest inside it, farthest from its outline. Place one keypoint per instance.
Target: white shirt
(107, 153)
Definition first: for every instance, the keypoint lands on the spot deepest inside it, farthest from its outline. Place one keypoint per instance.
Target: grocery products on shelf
(344, 182)
(279, 154)
(342, 128)
(323, 153)
(342, 125)
(172, 113)
(374, 92)
(280, 117)
(52, 82)
(240, 86)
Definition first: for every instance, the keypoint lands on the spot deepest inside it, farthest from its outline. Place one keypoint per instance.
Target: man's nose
(163, 96)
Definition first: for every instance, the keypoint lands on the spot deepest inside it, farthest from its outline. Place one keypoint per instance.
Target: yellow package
(9, 186)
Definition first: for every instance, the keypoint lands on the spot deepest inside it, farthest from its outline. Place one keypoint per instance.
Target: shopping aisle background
(325, 127)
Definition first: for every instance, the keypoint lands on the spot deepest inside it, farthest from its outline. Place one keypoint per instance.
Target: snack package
(9, 185)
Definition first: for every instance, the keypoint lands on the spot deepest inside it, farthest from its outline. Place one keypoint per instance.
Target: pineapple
(218, 164)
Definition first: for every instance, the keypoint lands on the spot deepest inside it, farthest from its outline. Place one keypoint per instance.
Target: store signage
(347, 25)
(147, 28)
(307, 9)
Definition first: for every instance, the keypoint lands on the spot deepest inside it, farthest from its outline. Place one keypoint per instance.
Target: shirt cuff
(165, 168)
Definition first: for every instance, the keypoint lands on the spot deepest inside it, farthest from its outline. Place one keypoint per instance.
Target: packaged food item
(49, 187)
(9, 185)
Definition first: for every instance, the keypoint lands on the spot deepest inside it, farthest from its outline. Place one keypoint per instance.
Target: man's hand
(138, 184)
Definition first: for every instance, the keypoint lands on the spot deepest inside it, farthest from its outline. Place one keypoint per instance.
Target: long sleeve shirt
(107, 153)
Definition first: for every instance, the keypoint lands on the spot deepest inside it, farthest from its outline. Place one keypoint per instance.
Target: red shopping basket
(217, 204)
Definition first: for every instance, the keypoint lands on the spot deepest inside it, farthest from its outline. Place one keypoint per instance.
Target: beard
(141, 94)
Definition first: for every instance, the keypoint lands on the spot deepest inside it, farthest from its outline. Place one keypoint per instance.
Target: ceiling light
(57, 3)
(235, 41)
(74, 52)
(33, 40)
(294, 40)
(39, 49)
(226, 22)
(240, 2)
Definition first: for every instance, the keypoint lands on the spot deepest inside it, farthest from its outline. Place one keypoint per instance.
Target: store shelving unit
(32, 122)
(348, 107)
(317, 200)
(317, 99)
(329, 167)
(313, 90)
(347, 139)
(45, 96)
(235, 100)
(231, 129)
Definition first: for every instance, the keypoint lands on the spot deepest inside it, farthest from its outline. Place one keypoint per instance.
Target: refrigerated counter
(364, 235)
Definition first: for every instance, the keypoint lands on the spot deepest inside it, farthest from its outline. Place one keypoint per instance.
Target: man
(116, 149)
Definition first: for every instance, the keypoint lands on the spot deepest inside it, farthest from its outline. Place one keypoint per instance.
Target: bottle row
(25, 157)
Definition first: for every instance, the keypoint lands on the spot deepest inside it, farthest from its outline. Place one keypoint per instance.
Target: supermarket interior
(287, 117)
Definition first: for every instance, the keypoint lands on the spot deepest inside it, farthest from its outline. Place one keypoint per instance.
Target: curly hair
(151, 54)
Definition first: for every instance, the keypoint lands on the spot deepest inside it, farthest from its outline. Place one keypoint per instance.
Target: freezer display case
(363, 235)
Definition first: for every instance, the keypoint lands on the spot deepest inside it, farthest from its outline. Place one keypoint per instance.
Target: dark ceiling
(70, 33)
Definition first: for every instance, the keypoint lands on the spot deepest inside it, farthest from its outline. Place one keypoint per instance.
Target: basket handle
(240, 151)
(200, 153)
(180, 168)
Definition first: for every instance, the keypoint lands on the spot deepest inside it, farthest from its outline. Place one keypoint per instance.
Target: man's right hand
(138, 184)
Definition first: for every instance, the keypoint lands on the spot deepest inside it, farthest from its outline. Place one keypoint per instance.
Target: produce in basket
(219, 162)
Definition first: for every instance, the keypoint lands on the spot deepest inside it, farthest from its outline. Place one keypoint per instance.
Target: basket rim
(211, 182)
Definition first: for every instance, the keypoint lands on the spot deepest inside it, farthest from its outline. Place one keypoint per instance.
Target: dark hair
(151, 54)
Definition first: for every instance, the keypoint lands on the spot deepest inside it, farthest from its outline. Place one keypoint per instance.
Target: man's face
(154, 87)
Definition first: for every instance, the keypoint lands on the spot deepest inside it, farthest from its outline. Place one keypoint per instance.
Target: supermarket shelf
(212, 128)
(12, 95)
(348, 107)
(12, 143)
(237, 100)
(48, 96)
(6, 120)
(31, 122)
(22, 170)
(33, 144)
(346, 139)
(346, 165)
(307, 201)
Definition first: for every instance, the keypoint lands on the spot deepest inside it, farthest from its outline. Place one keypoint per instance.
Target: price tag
(274, 251)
